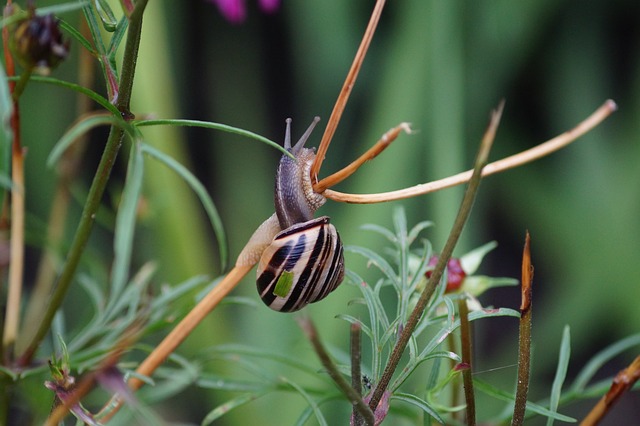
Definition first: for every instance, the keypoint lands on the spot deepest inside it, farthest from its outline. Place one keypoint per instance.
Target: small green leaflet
(283, 286)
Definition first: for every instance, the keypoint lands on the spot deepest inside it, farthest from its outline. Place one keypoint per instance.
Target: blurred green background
(440, 65)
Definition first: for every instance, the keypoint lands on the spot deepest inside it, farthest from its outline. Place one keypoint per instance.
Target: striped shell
(303, 264)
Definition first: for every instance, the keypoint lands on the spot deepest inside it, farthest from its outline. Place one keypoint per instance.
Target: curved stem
(371, 153)
(98, 185)
(456, 231)
(507, 163)
(341, 102)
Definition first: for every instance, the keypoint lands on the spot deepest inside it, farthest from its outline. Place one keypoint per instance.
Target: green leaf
(380, 230)
(312, 404)
(262, 355)
(58, 9)
(508, 397)
(471, 261)
(80, 128)
(117, 37)
(203, 195)
(375, 259)
(415, 231)
(561, 372)
(308, 412)
(214, 126)
(418, 402)
(126, 220)
(211, 381)
(223, 409)
(77, 35)
(601, 358)
(109, 21)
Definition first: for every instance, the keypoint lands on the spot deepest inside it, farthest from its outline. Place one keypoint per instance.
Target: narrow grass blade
(214, 126)
(561, 373)
(203, 195)
(420, 403)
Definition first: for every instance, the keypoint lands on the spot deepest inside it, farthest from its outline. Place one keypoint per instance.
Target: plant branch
(371, 153)
(524, 347)
(16, 263)
(349, 82)
(623, 381)
(98, 185)
(312, 334)
(356, 374)
(461, 218)
(507, 163)
(465, 345)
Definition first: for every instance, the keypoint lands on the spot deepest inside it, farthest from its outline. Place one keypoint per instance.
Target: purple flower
(235, 11)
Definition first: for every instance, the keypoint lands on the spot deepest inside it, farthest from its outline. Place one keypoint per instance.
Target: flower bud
(37, 44)
(455, 273)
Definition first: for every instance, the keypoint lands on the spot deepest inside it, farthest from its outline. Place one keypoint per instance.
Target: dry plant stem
(458, 225)
(349, 82)
(371, 153)
(356, 374)
(16, 264)
(312, 334)
(180, 333)
(513, 161)
(465, 344)
(116, 135)
(623, 381)
(524, 347)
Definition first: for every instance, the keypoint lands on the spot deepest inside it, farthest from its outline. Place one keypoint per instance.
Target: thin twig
(16, 262)
(312, 334)
(513, 161)
(623, 381)
(349, 82)
(465, 344)
(356, 374)
(524, 347)
(461, 218)
(371, 153)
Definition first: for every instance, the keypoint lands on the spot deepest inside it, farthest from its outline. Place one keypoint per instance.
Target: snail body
(304, 261)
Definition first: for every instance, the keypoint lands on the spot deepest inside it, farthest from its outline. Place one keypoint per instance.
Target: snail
(300, 259)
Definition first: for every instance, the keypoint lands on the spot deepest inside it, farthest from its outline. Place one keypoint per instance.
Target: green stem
(461, 219)
(354, 396)
(98, 185)
(21, 84)
(524, 346)
(356, 374)
(465, 344)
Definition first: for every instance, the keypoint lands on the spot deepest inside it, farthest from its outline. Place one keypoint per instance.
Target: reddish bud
(455, 273)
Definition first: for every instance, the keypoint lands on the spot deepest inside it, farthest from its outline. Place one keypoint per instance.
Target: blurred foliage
(439, 65)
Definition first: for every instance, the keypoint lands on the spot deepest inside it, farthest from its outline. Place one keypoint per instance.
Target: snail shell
(305, 261)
